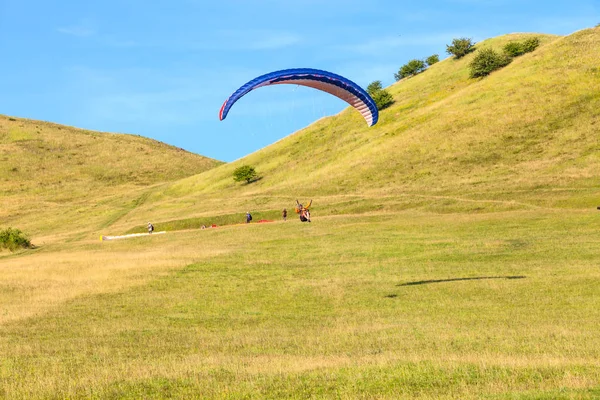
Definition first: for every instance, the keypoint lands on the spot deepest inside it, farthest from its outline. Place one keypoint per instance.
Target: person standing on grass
(284, 214)
(248, 217)
(150, 228)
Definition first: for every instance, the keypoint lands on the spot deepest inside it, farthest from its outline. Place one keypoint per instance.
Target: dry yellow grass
(55, 177)
(34, 284)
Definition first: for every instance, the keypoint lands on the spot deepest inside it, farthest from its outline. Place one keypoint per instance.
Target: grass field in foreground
(502, 306)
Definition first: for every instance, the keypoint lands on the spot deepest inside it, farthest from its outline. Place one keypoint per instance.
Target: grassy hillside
(47, 169)
(524, 137)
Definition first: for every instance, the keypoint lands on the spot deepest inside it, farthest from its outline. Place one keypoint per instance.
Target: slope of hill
(47, 169)
(449, 141)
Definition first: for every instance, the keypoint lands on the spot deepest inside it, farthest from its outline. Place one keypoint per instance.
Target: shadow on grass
(478, 278)
(258, 178)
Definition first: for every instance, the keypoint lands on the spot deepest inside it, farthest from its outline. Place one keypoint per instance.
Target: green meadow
(453, 252)
(406, 305)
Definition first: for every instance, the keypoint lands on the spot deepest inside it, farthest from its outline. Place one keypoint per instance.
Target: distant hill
(525, 136)
(45, 166)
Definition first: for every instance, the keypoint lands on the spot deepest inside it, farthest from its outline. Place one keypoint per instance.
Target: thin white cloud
(82, 29)
(175, 97)
(112, 41)
(483, 3)
(76, 31)
(237, 40)
(275, 41)
(256, 39)
(387, 43)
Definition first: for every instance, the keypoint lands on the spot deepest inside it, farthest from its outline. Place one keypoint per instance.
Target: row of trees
(486, 61)
(384, 99)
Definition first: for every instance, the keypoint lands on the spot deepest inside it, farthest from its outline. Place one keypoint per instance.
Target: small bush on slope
(382, 97)
(516, 49)
(487, 61)
(531, 44)
(13, 239)
(433, 59)
(245, 173)
(413, 67)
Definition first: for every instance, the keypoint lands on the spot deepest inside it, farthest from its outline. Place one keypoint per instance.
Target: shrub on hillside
(531, 44)
(486, 61)
(516, 49)
(460, 47)
(433, 59)
(374, 87)
(245, 173)
(380, 96)
(383, 99)
(13, 239)
(413, 67)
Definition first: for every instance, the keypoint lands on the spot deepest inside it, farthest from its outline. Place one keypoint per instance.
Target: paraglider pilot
(303, 211)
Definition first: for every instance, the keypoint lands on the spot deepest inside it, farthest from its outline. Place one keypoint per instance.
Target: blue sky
(162, 69)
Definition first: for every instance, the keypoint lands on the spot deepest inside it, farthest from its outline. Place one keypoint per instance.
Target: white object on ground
(103, 238)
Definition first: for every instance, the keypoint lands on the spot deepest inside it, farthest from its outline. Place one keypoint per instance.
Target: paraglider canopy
(329, 82)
